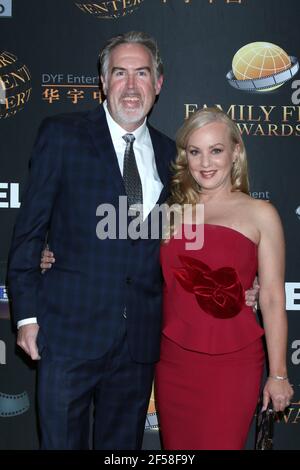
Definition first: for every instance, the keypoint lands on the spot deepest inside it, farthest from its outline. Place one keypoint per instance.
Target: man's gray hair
(131, 37)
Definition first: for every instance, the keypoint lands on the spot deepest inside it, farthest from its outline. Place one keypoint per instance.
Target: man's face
(131, 85)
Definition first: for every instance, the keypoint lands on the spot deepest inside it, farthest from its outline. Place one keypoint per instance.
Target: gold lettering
(287, 111)
(17, 100)
(245, 128)
(10, 102)
(289, 128)
(5, 79)
(75, 95)
(115, 7)
(11, 113)
(82, 7)
(100, 8)
(216, 105)
(26, 72)
(250, 115)
(97, 95)
(261, 117)
(51, 95)
(242, 106)
(231, 112)
(3, 62)
(297, 418)
(286, 416)
(21, 99)
(93, 8)
(267, 113)
(6, 59)
(130, 3)
(111, 7)
(190, 109)
(13, 79)
(273, 129)
(259, 130)
(17, 77)
(185, 1)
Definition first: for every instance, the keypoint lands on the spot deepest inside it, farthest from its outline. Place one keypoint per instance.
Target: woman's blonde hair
(184, 189)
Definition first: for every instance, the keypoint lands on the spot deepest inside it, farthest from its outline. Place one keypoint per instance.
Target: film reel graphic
(265, 83)
(261, 67)
(13, 405)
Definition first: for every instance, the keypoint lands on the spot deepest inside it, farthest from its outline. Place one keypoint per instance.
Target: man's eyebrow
(117, 68)
(146, 67)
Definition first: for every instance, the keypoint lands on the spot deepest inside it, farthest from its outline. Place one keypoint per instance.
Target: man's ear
(158, 84)
(104, 87)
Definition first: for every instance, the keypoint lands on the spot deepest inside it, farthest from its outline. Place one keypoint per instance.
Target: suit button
(128, 280)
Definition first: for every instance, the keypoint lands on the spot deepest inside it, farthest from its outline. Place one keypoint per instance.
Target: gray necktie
(131, 176)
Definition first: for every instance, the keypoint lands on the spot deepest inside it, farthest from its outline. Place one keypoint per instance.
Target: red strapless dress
(208, 378)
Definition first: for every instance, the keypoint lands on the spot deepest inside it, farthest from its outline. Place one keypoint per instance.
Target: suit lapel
(101, 138)
(102, 141)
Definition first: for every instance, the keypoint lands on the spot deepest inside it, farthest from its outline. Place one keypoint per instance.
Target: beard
(128, 114)
(130, 108)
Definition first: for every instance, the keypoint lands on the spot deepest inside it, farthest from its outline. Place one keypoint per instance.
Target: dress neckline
(225, 227)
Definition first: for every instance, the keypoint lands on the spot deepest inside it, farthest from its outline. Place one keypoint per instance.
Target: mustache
(131, 95)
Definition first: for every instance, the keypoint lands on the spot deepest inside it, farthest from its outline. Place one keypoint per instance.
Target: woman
(208, 378)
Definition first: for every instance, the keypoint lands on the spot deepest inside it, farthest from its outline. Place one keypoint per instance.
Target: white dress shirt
(144, 155)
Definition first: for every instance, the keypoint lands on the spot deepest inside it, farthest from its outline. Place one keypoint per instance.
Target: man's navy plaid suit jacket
(80, 301)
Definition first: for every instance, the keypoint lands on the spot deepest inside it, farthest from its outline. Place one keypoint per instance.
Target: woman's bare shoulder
(264, 213)
(258, 211)
(261, 205)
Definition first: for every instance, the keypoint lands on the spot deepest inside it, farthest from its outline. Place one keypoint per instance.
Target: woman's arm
(271, 271)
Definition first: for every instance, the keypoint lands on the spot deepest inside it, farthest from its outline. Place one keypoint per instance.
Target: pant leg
(65, 389)
(120, 388)
(121, 401)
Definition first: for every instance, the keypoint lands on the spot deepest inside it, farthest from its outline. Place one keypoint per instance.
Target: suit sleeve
(34, 219)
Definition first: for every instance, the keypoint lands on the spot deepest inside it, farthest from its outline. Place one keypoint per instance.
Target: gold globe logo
(110, 9)
(261, 67)
(15, 85)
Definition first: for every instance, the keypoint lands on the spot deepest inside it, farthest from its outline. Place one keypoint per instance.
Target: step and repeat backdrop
(241, 55)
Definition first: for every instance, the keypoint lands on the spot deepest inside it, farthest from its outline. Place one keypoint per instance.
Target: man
(94, 319)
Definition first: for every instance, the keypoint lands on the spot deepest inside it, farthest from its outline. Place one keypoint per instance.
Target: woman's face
(210, 154)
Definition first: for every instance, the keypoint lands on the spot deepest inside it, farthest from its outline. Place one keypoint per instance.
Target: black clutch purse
(264, 428)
